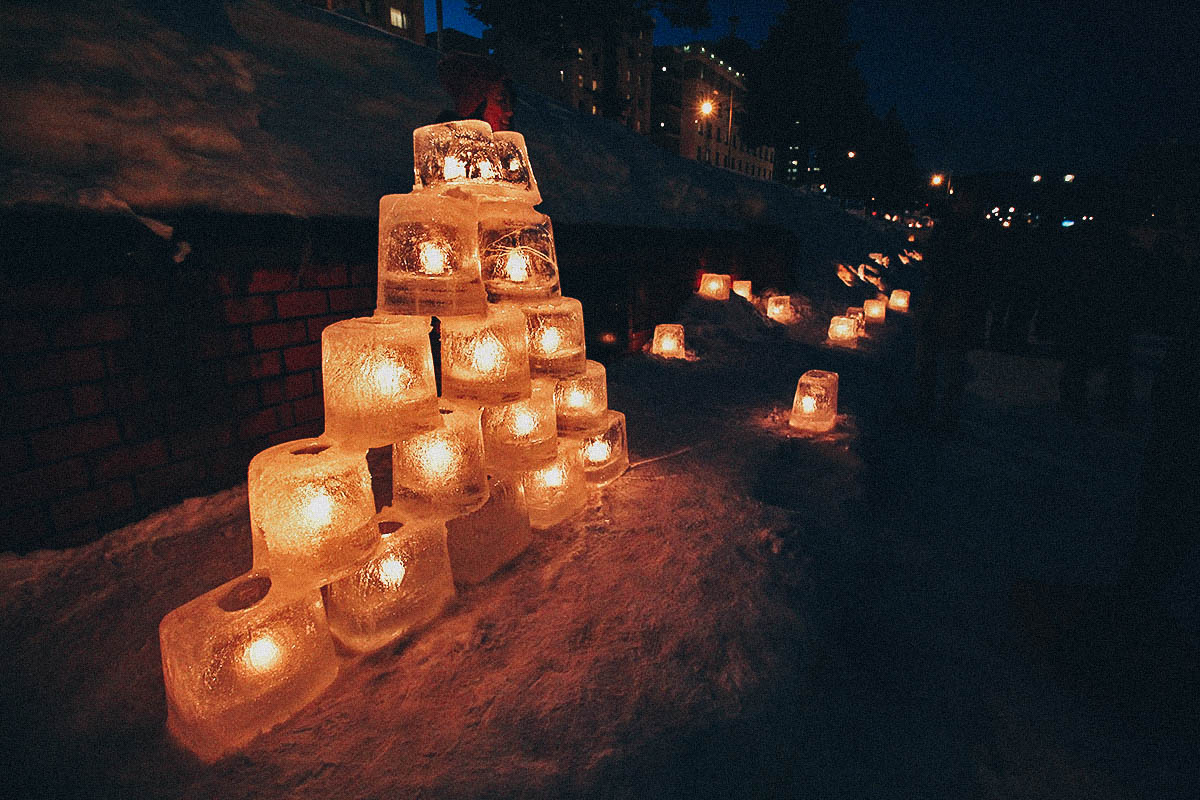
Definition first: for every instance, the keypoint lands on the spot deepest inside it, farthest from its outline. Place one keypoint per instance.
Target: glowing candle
(557, 490)
(485, 540)
(604, 451)
(779, 308)
(485, 359)
(899, 301)
(555, 335)
(742, 289)
(815, 406)
(668, 341)
(432, 258)
(523, 433)
(579, 401)
(440, 472)
(467, 154)
(843, 331)
(715, 286)
(875, 311)
(453, 169)
(261, 654)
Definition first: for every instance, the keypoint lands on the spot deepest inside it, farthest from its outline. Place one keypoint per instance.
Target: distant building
(698, 111)
(402, 17)
(580, 75)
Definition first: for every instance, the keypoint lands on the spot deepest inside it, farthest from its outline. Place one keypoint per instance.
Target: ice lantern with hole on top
(405, 584)
(581, 400)
(516, 252)
(485, 359)
(554, 330)
(815, 406)
(429, 256)
(605, 451)
(899, 300)
(377, 374)
(779, 308)
(843, 331)
(440, 472)
(466, 155)
(715, 286)
(311, 510)
(742, 289)
(668, 341)
(241, 659)
(875, 311)
(523, 433)
(485, 540)
(557, 490)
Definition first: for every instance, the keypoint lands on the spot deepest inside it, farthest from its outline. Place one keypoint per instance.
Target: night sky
(1028, 86)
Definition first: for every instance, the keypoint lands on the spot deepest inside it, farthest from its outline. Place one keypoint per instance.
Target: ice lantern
(875, 311)
(240, 659)
(779, 308)
(742, 289)
(429, 256)
(557, 490)
(815, 406)
(668, 341)
(485, 540)
(523, 433)
(311, 510)
(580, 401)
(899, 300)
(404, 585)
(377, 374)
(843, 331)
(714, 286)
(440, 472)
(485, 359)
(857, 314)
(554, 329)
(466, 154)
(605, 451)
(516, 250)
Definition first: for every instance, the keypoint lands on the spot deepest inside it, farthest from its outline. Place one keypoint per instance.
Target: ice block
(429, 256)
(857, 314)
(843, 331)
(403, 586)
(715, 286)
(875, 311)
(311, 510)
(604, 451)
(779, 308)
(377, 374)
(440, 473)
(899, 301)
(240, 659)
(668, 341)
(465, 155)
(523, 433)
(815, 406)
(516, 251)
(485, 540)
(581, 400)
(742, 289)
(485, 359)
(555, 334)
(557, 490)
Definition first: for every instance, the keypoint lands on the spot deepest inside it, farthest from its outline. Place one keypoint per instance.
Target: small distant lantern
(485, 359)
(556, 490)
(466, 154)
(554, 331)
(715, 286)
(441, 472)
(404, 585)
(377, 374)
(742, 289)
(581, 400)
(668, 341)
(875, 311)
(523, 433)
(859, 316)
(485, 540)
(429, 256)
(779, 308)
(311, 511)
(516, 250)
(815, 406)
(843, 331)
(240, 659)
(899, 301)
(605, 451)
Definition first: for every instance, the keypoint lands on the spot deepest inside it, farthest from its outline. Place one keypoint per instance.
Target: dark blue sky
(1048, 86)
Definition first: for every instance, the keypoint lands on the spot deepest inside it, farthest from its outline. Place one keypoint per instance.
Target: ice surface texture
(554, 330)
(875, 311)
(899, 300)
(715, 286)
(557, 490)
(743, 289)
(466, 155)
(404, 585)
(604, 451)
(516, 251)
(524, 433)
(815, 406)
(843, 331)
(581, 400)
(779, 308)
(485, 359)
(857, 314)
(311, 510)
(668, 341)
(377, 374)
(240, 659)
(429, 256)
(485, 540)
(440, 473)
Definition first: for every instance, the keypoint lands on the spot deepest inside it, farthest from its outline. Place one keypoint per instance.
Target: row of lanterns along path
(814, 407)
(520, 434)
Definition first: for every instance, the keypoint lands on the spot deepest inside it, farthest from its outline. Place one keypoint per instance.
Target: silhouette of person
(479, 88)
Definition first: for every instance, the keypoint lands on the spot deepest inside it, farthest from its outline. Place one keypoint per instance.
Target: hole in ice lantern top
(815, 406)
(668, 341)
(742, 289)
(715, 286)
(875, 311)
(779, 308)
(843, 331)
(899, 300)
(245, 593)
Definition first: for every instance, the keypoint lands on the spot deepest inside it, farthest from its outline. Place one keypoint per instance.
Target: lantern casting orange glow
(668, 341)
(843, 331)
(523, 433)
(742, 289)
(875, 311)
(604, 451)
(441, 472)
(815, 406)
(554, 329)
(579, 401)
(779, 309)
(485, 359)
(557, 490)
(899, 300)
(714, 286)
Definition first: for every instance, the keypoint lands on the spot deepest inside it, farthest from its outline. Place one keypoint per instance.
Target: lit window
(399, 18)
(594, 109)
(562, 75)
(594, 84)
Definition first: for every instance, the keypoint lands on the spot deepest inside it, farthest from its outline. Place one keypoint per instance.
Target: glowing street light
(707, 108)
(1068, 178)
(1037, 178)
(937, 180)
(851, 154)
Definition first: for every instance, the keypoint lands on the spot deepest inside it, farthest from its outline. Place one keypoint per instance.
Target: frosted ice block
(742, 289)
(715, 286)
(843, 331)
(899, 301)
(779, 308)
(429, 256)
(240, 659)
(485, 540)
(857, 314)
(605, 450)
(557, 490)
(311, 510)
(668, 341)
(440, 473)
(580, 401)
(377, 374)
(875, 311)
(815, 406)
(523, 433)
(485, 359)
(404, 585)
(516, 252)
(554, 330)
(465, 155)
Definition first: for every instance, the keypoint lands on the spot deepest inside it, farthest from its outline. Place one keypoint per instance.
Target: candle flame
(453, 169)
(433, 258)
(714, 286)
(576, 398)
(317, 507)
(808, 404)
(524, 423)
(437, 457)
(391, 572)
(554, 477)
(549, 340)
(261, 654)
(389, 377)
(488, 355)
(485, 170)
(597, 451)
(516, 266)
(669, 344)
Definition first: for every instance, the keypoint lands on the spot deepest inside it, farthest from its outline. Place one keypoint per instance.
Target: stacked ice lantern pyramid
(519, 435)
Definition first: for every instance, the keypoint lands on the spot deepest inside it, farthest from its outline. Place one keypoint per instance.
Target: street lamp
(707, 108)
(851, 154)
(937, 180)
